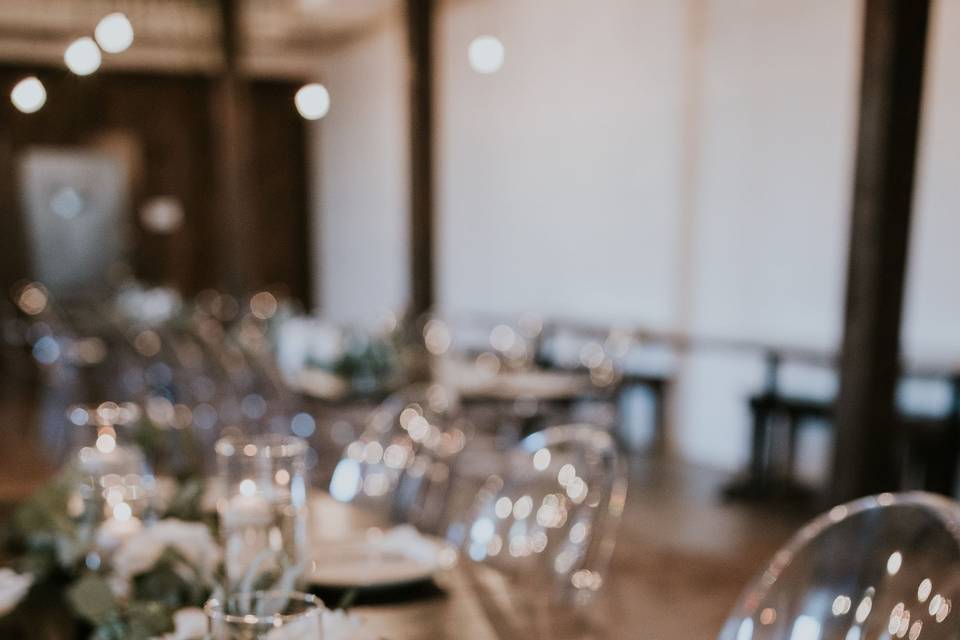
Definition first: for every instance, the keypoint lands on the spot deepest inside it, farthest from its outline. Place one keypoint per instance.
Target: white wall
(360, 177)
(681, 164)
(569, 183)
(778, 120)
(779, 116)
(932, 319)
(557, 180)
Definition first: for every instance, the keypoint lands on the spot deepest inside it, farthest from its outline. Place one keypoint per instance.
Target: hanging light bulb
(486, 54)
(28, 95)
(312, 101)
(114, 33)
(82, 56)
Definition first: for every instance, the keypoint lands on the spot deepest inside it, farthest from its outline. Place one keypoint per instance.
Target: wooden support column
(420, 16)
(231, 115)
(868, 445)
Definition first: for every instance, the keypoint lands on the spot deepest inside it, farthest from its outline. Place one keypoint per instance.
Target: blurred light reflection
(82, 57)
(29, 95)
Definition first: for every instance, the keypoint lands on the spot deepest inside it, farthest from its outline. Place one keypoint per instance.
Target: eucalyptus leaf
(148, 619)
(91, 599)
(185, 504)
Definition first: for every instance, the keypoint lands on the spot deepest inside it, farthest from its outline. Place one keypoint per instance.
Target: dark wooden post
(231, 126)
(420, 18)
(867, 454)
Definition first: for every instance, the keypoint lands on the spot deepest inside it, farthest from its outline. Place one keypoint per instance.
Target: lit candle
(247, 509)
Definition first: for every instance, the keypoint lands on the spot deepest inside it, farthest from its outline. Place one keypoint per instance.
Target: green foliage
(172, 581)
(148, 610)
(169, 450)
(43, 532)
(186, 503)
(46, 510)
(91, 599)
(147, 619)
(53, 546)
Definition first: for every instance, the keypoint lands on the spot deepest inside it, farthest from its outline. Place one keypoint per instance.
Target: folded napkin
(406, 540)
(13, 587)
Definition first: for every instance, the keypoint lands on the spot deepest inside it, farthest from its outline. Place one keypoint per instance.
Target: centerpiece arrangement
(139, 536)
(133, 556)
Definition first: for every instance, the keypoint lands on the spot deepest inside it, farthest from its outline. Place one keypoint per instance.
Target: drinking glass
(270, 615)
(263, 510)
(114, 482)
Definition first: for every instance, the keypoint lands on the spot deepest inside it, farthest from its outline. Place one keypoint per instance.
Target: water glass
(263, 510)
(270, 615)
(112, 482)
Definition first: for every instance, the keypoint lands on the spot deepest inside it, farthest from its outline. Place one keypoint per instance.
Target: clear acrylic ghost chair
(880, 568)
(547, 527)
(399, 466)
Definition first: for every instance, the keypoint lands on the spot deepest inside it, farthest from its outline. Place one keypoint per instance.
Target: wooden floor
(682, 557)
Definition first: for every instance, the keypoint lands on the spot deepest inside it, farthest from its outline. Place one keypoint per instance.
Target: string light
(29, 95)
(312, 101)
(114, 33)
(82, 56)
(486, 54)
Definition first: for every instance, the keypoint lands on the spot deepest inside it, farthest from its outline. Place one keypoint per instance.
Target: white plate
(397, 557)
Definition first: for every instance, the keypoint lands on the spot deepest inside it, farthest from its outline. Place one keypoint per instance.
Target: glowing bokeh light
(486, 54)
(114, 33)
(106, 443)
(122, 511)
(312, 101)
(248, 487)
(82, 56)
(29, 95)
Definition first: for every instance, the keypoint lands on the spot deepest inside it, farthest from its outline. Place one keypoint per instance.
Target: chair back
(886, 566)
(400, 464)
(550, 522)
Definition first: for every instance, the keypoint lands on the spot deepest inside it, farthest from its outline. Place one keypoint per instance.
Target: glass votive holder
(112, 482)
(262, 510)
(290, 615)
(87, 422)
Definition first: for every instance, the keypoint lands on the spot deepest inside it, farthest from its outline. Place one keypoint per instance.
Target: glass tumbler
(262, 511)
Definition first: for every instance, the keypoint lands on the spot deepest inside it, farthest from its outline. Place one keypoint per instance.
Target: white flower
(308, 628)
(192, 540)
(137, 555)
(189, 623)
(340, 625)
(13, 587)
(326, 342)
(113, 533)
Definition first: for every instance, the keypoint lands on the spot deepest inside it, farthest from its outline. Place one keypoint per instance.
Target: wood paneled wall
(164, 122)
